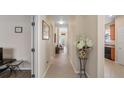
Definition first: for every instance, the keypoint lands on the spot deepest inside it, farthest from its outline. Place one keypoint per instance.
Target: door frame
(34, 47)
(100, 45)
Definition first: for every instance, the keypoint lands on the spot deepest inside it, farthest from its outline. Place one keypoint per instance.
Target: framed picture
(45, 30)
(18, 29)
(54, 37)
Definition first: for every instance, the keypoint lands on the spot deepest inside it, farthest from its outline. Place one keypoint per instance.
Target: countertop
(110, 44)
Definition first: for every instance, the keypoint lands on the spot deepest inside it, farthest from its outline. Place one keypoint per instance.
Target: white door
(120, 46)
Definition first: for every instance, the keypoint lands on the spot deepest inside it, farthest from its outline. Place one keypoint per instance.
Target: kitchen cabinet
(113, 54)
(110, 53)
(112, 32)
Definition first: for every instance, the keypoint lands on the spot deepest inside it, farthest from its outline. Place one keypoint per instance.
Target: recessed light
(61, 22)
(110, 15)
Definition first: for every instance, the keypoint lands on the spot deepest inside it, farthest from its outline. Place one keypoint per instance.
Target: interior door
(120, 46)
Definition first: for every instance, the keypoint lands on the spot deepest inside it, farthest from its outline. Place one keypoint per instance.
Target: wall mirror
(45, 30)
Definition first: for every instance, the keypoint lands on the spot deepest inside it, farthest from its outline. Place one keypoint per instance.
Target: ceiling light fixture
(110, 15)
(61, 22)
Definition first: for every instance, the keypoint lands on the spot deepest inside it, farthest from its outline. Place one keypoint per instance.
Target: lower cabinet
(113, 54)
(110, 53)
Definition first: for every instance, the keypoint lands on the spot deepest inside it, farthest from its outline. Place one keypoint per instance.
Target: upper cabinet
(112, 31)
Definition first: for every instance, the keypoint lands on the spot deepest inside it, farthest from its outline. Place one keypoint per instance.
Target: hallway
(56, 31)
(113, 70)
(61, 67)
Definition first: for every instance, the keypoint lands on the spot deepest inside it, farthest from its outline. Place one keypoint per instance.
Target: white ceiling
(109, 19)
(57, 18)
(65, 18)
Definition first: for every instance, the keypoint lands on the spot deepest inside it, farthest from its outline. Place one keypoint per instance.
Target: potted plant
(83, 46)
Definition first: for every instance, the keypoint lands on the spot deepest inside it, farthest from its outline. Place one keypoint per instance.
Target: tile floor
(61, 67)
(113, 70)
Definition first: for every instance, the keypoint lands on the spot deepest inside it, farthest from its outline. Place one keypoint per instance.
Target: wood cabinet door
(113, 54)
(112, 32)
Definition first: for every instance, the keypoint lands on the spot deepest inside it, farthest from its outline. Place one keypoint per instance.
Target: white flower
(80, 44)
(83, 41)
(89, 42)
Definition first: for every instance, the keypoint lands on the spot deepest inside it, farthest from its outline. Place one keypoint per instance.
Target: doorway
(60, 65)
(63, 39)
(114, 60)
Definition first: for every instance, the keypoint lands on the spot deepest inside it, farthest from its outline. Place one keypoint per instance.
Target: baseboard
(74, 68)
(44, 74)
(88, 76)
(76, 71)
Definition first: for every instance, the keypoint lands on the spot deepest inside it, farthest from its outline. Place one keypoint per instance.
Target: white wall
(16, 45)
(44, 49)
(119, 24)
(72, 54)
(91, 32)
(100, 45)
(84, 25)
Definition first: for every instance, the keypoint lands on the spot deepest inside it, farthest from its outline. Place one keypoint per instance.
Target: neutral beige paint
(44, 47)
(72, 33)
(100, 46)
(91, 32)
(88, 25)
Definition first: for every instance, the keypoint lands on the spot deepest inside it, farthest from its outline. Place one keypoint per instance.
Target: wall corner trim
(45, 72)
(74, 68)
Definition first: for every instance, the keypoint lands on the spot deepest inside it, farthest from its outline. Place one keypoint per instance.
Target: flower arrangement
(83, 45)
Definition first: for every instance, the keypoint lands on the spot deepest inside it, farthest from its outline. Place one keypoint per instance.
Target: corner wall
(91, 32)
(83, 25)
(44, 48)
(119, 24)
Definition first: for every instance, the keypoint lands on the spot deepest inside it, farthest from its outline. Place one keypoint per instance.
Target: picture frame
(54, 37)
(18, 29)
(45, 30)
